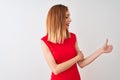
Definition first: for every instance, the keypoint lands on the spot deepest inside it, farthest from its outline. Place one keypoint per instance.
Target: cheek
(67, 20)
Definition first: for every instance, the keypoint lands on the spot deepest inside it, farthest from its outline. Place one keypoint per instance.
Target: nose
(70, 20)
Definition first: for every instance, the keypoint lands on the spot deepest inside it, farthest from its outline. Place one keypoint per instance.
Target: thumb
(106, 42)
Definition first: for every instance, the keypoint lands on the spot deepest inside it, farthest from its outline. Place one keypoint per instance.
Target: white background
(22, 24)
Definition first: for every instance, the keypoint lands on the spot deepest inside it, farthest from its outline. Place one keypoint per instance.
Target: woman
(60, 47)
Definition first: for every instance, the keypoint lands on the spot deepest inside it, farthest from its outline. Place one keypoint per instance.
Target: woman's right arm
(57, 68)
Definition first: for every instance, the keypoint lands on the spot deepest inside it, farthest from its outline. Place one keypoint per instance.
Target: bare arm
(57, 68)
(105, 49)
(89, 59)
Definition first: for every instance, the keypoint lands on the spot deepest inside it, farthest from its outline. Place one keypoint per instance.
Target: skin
(79, 58)
(68, 20)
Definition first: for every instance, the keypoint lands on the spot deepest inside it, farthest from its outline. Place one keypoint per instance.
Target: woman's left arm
(105, 49)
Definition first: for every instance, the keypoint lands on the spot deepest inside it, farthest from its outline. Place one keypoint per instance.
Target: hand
(80, 56)
(106, 47)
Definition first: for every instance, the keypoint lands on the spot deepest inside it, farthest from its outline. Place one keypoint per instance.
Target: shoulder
(44, 42)
(72, 34)
(44, 38)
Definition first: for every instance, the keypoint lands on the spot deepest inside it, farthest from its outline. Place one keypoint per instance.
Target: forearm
(57, 68)
(65, 65)
(90, 58)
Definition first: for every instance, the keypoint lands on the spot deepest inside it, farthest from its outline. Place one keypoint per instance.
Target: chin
(67, 27)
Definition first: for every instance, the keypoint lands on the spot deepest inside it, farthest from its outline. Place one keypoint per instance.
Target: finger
(111, 46)
(106, 42)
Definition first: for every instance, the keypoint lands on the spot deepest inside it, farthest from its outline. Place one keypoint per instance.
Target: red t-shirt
(62, 53)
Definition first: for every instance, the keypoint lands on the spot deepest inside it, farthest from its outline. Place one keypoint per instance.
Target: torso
(61, 53)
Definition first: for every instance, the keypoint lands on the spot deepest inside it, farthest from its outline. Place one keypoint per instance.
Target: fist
(80, 56)
(106, 47)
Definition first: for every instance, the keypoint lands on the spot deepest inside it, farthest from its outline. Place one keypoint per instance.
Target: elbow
(81, 65)
(55, 71)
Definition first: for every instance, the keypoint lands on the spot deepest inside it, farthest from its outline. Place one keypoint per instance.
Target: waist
(70, 74)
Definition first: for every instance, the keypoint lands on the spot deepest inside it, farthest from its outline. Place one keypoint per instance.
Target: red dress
(62, 53)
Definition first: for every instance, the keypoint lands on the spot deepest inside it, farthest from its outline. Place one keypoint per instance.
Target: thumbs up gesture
(106, 47)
